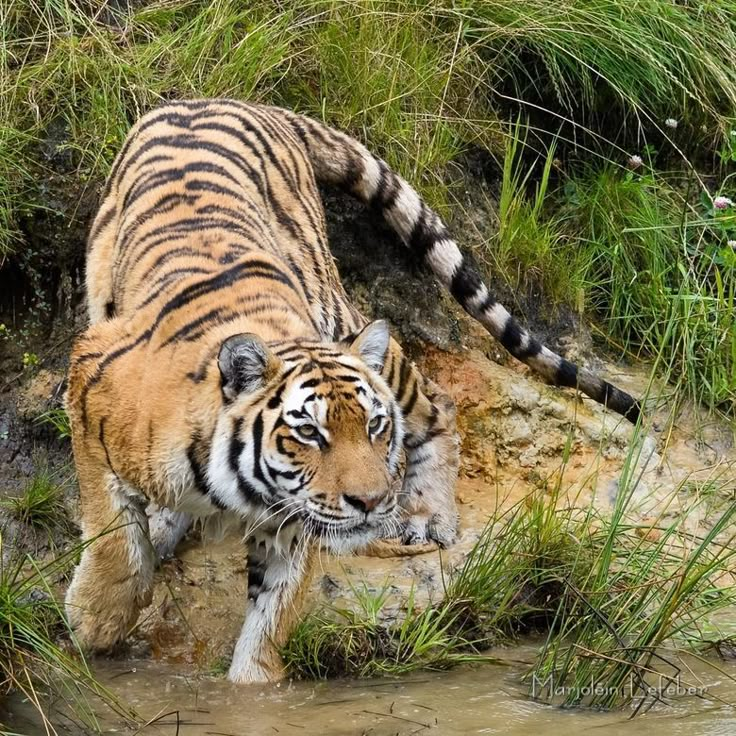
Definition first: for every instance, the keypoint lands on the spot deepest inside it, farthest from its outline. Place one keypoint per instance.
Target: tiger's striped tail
(342, 161)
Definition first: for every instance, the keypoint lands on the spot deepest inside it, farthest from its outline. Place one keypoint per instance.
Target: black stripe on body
(247, 490)
(160, 177)
(162, 260)
(96, 377)
(198, 473)
(168, 233)
(223, 280)
(404, 373)
(101, 437)
(409, 406)
(100, 223)
(195, 328)
(191, 142)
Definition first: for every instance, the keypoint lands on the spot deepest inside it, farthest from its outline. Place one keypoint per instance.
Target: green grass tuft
(31, 661)
(58, 419)
(637, 250)
(645, 593)
(661, 273)
(40, 505)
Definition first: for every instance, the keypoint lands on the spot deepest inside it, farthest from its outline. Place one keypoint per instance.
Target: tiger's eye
(307, 431)
(374, 424)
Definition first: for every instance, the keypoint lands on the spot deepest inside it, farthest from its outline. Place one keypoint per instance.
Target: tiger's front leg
(279, 571)
(432, 451)
(114, 579)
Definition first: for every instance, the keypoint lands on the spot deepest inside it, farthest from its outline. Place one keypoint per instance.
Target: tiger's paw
(422, 529)
(252, 672)
(100, 628)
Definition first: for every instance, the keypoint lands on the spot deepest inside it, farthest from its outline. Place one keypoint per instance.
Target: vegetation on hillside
(654, 264)
(646, 251)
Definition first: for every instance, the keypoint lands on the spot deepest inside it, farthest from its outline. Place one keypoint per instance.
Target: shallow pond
(487, 699)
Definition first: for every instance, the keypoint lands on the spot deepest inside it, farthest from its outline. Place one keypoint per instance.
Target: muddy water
(489, 699)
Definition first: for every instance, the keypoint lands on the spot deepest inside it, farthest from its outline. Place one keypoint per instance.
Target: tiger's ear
(371, 344)
(246, 364)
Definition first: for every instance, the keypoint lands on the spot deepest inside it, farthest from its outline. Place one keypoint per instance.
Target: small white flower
(731, 244)
(733, 132)
(722, 203)
(635, 162)
(671, 123)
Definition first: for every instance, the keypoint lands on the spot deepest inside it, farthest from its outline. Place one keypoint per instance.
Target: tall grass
(661, 272)
(417, 80)
(639, 251)
(32, 663)
(625, 612)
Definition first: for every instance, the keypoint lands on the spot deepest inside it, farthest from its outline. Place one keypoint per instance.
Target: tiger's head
(309, 432)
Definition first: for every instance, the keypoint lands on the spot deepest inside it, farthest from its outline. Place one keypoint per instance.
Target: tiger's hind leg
(432, 462)
(114, 579)
(432, 451)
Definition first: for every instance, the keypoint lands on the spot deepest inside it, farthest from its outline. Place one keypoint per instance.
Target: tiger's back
(205, 188)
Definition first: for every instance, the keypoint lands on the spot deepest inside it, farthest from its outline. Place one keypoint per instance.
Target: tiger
(225, 371)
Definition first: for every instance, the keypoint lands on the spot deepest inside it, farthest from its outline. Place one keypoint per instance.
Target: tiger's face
(315, 436)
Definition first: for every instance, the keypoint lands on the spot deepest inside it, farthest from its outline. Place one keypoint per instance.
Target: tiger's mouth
(348, 534)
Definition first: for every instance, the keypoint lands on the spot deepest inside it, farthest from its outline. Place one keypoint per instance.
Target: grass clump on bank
(637, 249)
(40, 505)
(619, 600)
(38, 514)
(662, 274)
(31, 661)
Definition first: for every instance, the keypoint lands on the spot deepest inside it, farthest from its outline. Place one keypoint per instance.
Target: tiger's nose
(364, 503)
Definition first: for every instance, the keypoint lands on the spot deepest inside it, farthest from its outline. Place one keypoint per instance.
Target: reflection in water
(487, 699)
